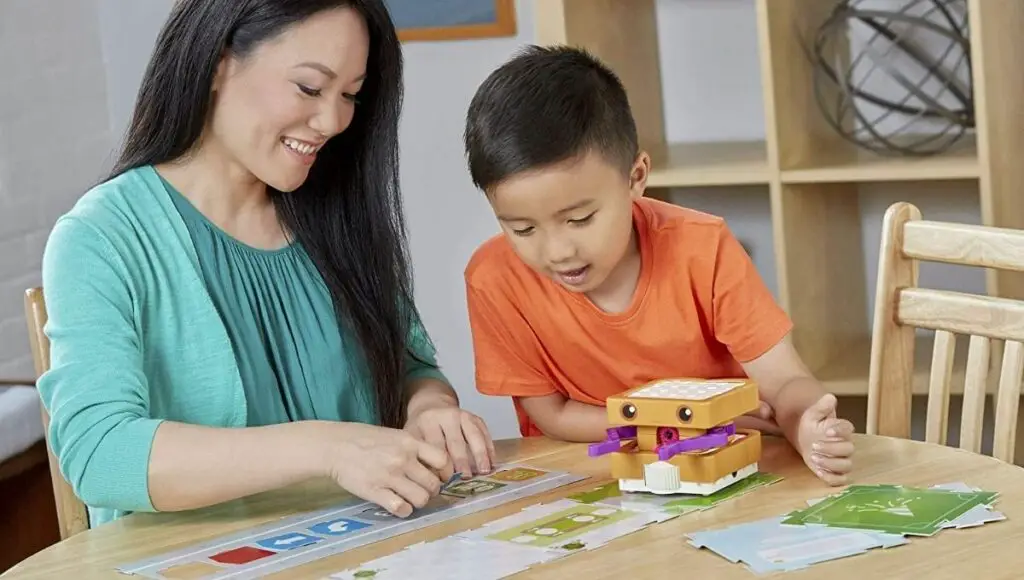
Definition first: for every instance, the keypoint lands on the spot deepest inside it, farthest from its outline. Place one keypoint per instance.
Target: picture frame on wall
(432, 20)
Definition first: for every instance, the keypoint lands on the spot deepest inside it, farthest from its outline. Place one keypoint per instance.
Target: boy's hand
(825, 441)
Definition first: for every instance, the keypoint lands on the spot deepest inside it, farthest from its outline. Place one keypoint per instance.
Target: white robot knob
(661, 477)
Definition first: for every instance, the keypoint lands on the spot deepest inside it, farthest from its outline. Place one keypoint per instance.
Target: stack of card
(669, 506)
(860, 518)
(770, 546)
(900, 510)
(978, 515)
(537, 534)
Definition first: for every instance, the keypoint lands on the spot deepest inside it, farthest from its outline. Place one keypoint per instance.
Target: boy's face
(573, 222)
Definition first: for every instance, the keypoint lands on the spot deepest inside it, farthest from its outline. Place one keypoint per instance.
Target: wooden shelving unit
(810, 173)
(712, 164)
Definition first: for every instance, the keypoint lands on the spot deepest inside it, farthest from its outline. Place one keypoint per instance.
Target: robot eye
(629, 410)
(685, 414)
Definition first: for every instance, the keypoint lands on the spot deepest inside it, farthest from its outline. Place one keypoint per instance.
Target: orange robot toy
(678, 436)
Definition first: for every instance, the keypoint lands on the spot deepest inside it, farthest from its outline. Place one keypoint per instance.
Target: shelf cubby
(715, 163)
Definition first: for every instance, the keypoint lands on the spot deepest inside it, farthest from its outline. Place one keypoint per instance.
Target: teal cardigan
(135, 340)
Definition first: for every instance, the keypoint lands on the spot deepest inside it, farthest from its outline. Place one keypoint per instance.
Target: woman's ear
(223, 70)
(638, 175)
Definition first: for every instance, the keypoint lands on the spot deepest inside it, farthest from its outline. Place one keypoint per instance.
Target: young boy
(592, 289)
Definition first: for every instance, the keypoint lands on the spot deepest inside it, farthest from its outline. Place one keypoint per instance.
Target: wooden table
(660, 551)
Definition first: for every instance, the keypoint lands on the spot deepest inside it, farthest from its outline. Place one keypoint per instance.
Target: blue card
(770, 546)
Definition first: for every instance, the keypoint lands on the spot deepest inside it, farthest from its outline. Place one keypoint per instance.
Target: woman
(230, 312)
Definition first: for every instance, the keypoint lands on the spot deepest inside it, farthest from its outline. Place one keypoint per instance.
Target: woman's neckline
(190, 207)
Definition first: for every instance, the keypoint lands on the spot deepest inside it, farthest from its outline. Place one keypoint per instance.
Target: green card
(891, 508)
(608, 490)
(556, 528)
(671, 504)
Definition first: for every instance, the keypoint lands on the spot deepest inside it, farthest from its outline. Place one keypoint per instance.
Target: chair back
(989, 325)
(72, 515)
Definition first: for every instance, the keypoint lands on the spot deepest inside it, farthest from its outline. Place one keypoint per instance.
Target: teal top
(280, 319)
(139, 333)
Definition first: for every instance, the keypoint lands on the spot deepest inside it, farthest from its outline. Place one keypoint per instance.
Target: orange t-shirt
(699, 307)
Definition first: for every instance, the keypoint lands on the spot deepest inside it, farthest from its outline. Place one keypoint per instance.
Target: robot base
(683, 487)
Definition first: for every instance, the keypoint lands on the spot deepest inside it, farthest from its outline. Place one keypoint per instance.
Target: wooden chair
(72, 516)
(901, 306)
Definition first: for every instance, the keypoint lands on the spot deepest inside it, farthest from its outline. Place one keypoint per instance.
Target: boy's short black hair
(543, 106)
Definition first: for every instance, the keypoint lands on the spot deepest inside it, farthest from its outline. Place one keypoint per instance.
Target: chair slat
(973, 414)
(937, 422)
(1008, 401)
(961, 313)
(965, 244)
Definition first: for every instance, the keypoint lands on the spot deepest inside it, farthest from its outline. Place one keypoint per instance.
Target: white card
(452, 558)
(768, 545)
(976, 516)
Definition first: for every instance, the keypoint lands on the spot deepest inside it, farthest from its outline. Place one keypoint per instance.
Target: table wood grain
(659, 551)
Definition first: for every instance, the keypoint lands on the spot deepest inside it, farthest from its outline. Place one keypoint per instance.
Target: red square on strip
(242, 555)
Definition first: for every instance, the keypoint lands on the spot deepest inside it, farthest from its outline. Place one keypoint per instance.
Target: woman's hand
(389, 467)
(460, 432)
(433, 415)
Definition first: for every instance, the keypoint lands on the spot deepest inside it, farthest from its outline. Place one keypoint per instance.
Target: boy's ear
(638, 175)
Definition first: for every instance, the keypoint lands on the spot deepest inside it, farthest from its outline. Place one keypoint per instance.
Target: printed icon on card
(565, 524)
(472, 487)
(338, 527)
(288, 541)
(376, 514)
(241, 555)
(517, 474)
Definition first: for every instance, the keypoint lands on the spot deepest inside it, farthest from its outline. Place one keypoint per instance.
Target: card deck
(891, 508)
(854, 521)
(977, 515)
(769, 545)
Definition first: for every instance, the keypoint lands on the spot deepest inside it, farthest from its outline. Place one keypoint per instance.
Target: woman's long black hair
(348, 214)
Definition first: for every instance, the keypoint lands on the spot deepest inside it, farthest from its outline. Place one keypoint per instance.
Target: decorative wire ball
(896, 81)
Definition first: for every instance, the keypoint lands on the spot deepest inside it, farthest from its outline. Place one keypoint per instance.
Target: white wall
(54, 137)
(128, 32)
(78, 100)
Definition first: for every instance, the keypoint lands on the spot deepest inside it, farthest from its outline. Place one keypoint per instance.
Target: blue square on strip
(288, 541)
(338, 527)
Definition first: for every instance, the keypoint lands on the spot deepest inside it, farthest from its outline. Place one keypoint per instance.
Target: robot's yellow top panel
(684, 389)
(690, 403)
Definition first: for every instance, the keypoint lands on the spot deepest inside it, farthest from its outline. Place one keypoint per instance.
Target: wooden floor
(28, 517)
